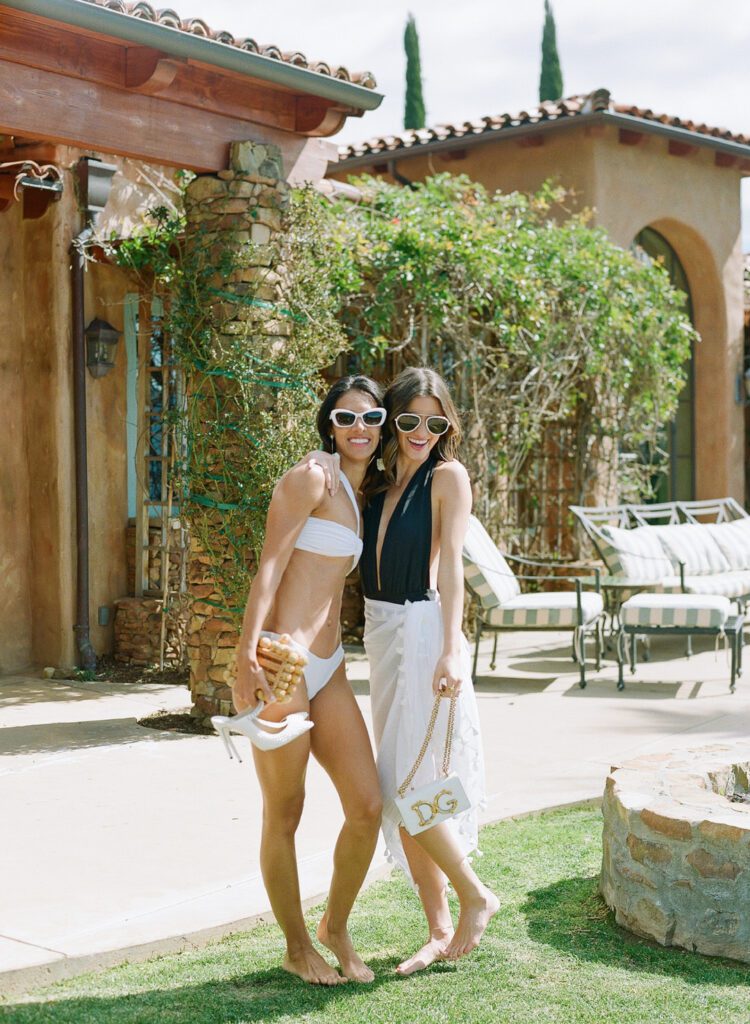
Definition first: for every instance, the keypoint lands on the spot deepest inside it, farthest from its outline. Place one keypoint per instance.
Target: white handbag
(436, 801)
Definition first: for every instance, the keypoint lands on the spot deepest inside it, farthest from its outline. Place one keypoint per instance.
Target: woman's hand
(329, 463)
(250, 679)
(447, 679)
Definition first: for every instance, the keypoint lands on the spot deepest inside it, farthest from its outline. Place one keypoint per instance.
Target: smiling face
(417, 445)
(357, 442)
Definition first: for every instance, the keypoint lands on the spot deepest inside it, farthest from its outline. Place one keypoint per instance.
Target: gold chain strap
(428, 736)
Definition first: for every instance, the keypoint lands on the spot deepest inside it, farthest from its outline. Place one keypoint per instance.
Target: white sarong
(403, 645)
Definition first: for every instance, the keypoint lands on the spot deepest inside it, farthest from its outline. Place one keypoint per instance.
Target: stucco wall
(696, 206)
(105, 288)
(49, 431)
(15, 554)
(507, 164)
(37, 469)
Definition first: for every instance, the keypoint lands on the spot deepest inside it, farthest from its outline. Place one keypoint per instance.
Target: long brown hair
(413, 382)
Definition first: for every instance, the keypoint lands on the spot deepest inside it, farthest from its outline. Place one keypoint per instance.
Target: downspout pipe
(82, 625)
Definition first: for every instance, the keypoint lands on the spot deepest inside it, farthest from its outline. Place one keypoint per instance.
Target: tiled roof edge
(597, 102)
(169, 18)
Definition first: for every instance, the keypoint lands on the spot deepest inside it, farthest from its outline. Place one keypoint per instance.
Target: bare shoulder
(303, 484)
(451, 476)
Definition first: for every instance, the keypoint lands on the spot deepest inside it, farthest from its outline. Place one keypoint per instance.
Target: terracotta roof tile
(557, 110)
(196, 26)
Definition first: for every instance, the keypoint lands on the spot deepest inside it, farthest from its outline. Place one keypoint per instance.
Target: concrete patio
(121, 842)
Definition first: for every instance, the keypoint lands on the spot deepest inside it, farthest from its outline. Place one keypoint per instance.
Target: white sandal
(262, 734)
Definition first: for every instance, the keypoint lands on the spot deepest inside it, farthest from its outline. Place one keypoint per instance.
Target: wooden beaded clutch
(283, 665)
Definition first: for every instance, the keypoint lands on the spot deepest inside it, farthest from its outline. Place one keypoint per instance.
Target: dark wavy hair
(413, 382)
(352, 382)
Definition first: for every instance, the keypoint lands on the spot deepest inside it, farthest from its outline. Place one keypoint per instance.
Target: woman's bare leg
(478, 905)
(341, 744)
(431, 885)
(282, 779)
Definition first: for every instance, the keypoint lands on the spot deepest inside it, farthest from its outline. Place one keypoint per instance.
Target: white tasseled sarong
(403, 644)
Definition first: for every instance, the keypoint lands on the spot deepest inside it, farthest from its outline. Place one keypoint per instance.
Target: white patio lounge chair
(502, 606)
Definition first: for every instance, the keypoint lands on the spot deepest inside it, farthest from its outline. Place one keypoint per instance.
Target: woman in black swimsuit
(412, 575)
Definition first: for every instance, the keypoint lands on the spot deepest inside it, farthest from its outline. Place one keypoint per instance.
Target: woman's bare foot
(309, 965)
(434, 949)
(340, 944)
(472, 923)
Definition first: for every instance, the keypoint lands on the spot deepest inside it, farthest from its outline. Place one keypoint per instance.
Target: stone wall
(225, 212)
(676, 862)
(138, 624)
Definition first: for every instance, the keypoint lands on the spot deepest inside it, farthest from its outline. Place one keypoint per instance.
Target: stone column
(235, 212)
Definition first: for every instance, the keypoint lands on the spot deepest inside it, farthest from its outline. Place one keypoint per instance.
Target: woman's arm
(453, 493)
(330, 463)
(295, 497)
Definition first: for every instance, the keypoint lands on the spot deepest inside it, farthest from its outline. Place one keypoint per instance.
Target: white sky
(689, 58)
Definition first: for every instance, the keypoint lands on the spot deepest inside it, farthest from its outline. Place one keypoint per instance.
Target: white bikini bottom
(318, 671)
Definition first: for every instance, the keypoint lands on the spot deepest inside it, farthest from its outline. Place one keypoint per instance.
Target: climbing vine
(252, 327)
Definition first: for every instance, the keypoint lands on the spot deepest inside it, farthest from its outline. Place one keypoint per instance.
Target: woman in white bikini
(312, 542)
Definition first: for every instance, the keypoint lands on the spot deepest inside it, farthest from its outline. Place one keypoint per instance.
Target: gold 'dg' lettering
(435, 807)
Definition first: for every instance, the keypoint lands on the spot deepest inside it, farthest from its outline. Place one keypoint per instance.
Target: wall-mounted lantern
(101, 344)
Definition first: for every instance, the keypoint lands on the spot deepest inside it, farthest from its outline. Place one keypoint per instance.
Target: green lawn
(553, 954)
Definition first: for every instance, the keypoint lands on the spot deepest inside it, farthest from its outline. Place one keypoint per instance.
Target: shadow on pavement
(52, 738)
(28, 690)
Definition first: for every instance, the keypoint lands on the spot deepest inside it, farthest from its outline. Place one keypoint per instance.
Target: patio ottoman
(681, 614)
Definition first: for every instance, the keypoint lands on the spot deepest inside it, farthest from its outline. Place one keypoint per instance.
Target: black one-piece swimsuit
(405, 556)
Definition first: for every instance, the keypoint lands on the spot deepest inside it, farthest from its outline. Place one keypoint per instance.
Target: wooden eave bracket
(630, 137)
(530, 141)
(319, 118)
(148, 71)
(677, 148)
(453, 155)
(725, 159)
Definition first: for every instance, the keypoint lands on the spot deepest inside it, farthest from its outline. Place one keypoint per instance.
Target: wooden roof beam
(56, 109)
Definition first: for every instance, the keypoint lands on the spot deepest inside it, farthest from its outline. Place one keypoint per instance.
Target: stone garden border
(676, 861)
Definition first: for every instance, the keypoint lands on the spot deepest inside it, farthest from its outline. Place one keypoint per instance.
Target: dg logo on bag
(448, 806)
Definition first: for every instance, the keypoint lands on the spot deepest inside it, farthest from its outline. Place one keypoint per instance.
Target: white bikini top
(324, 537)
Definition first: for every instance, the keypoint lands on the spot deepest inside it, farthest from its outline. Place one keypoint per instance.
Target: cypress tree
(550, 80)
(414, 112)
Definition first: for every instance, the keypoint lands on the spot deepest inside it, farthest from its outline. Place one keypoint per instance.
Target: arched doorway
(676, 480)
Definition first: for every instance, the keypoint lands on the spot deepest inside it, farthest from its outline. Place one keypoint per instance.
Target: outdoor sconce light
(51, 185)
(101, 342)
(742, 389)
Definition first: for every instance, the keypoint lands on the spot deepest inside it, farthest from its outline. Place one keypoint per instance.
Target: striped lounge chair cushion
(486, 572)
(694, 546)
(546, 611)
(635, 553)
(701, 611)
(727, 584)
(733, 539)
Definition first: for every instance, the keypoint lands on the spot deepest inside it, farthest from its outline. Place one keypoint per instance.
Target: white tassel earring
(379, 462)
